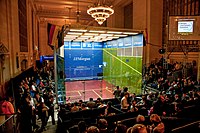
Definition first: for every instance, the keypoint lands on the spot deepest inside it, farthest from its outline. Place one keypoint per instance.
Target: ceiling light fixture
(78, 30)
(100, 12)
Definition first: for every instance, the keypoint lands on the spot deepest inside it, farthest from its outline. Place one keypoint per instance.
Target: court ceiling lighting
(97, 31)
(74, 33)
(92, 34)
(130, 33)
(114, 32)
(77, 30)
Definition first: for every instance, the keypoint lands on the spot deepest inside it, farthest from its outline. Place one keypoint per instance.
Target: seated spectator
(74, 107)
(83, 107)
(121, 128)
(93, 129)
(98, 101)
(101, 105)
(157, 124)
(91, 103)
(160, 106)
(133, 107)
(140, 119)
(82, 127)
(109, 110)
(129, 130)
(139, 128)
(74, 129)
(102, 125)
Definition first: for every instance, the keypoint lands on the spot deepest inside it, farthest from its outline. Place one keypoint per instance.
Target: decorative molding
(3, 49)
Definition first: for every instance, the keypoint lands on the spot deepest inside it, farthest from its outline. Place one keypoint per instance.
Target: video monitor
(184, 28)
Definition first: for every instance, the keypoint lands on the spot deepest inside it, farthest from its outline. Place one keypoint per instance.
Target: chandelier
(100, 12)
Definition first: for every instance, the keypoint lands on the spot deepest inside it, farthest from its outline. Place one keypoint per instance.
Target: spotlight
(161, 51)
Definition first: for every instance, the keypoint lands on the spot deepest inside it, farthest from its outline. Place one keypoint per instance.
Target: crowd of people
(34, 100)
(173, 94)
(36, 96)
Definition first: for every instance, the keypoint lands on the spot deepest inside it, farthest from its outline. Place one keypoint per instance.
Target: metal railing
(8, 124)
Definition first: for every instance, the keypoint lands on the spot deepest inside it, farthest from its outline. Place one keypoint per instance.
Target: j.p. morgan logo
(81, 59)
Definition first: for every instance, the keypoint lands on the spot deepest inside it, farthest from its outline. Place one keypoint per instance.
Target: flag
(52, 31)
(60, 37)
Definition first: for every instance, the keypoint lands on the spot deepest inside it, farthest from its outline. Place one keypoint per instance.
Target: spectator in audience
(83, 107)
(124, 102)
(129, 130)
(140, 119)
(26, 115)
(82, 127)
(117, 92)
(93, 129)
(139, 128)
(133, 107)
(125, 90)
(159, 106)
(101, 104)
(121, 128)
(144, 103)
(44, 116)
(50, 105)
(7, 107)
(157, 124)
(109, 110)
(74, 129)
(37, 102)
(102, 125)
(98, 101)
(74, 107)
(91, 103)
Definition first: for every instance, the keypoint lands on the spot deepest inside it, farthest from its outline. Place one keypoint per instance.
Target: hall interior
(24, 39)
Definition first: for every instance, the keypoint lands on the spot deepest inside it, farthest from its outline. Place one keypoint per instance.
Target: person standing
(7, 109)
(117, 93)
(124, 102)
(26, 115)
(50, 105)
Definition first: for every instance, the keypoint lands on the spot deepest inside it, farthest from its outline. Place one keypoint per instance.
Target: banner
(83, 64)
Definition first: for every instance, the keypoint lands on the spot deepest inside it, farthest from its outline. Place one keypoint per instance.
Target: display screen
(185, 26)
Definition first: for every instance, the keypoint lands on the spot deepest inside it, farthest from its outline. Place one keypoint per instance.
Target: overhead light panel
(130, 33)
(97, 31)
(77, 30)
(114, 32)
(74, 33)
(106, 34)
(91, 34)
(121, 35)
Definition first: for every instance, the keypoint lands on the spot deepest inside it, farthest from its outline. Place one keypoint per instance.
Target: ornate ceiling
(62, 12)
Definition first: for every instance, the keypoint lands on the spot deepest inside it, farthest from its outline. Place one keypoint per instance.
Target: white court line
(96, 93)
(83, 90)
(79, 93)
(74, 96)
(94, 90)
(109, 90)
